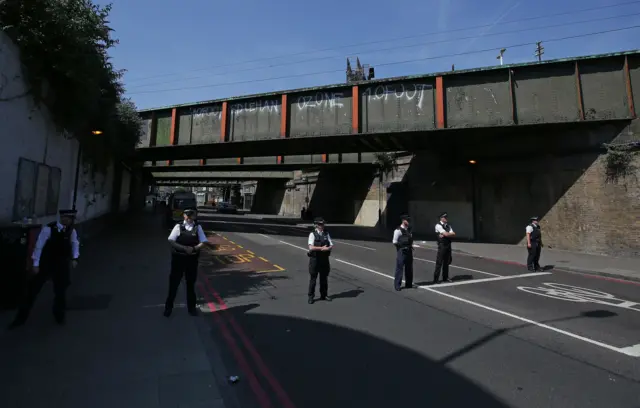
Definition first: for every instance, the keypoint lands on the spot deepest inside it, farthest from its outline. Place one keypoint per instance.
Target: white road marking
(581, 295)
(460, 267)
(355, 245)
(467, 282)
(632, 351)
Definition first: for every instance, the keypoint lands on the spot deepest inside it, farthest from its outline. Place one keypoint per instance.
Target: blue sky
(188, 51)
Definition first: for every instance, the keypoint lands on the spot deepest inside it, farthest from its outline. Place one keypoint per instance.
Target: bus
(177, 202)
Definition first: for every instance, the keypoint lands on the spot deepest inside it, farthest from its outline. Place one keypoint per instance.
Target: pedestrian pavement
(116, 350)
(616, 267)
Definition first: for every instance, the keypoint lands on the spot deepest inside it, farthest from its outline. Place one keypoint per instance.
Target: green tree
(64, 48)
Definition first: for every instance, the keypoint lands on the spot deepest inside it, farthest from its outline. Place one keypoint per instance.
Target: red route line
(285, 401)
(257, 389)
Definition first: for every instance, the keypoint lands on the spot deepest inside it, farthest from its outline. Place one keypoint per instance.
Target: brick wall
(580, 210)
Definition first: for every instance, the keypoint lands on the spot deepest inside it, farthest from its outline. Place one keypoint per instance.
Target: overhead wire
(399, 47)
(381, 64)
(550, 15)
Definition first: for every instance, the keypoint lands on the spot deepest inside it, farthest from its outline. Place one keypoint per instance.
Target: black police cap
(318, 220)
(68, 213)
(536, 218)
(405, 217)
(444, 215)
(189, 211)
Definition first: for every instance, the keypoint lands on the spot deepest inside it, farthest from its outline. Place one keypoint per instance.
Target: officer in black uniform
(56, 249)
(186, 238)
(320, 246)
(443, 259)
(534, 244)
(403, 240)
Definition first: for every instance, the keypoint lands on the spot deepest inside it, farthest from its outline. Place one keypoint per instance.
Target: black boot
(311, 301)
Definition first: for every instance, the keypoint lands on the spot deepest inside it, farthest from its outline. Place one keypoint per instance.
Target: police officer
(403, 240)
(186, 239)
(320, 246)
(56, 249)
(534, 244)
(443, 259)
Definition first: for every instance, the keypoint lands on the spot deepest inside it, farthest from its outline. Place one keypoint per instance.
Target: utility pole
(539, 50)
(499, 57)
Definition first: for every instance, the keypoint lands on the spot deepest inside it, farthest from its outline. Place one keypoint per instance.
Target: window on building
(37, 190)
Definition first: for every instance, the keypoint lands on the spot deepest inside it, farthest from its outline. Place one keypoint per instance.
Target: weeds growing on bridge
(619, 161)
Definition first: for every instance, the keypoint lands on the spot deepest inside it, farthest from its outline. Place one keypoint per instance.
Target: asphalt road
(497, 336)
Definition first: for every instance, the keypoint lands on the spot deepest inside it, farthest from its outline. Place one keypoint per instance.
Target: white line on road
(355, 245)
(460, 267)
(632, 351)
(467, 282)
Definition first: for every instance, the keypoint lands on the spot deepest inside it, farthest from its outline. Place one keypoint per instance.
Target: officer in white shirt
(444, 257)
(403, 240)
(534, 244)
(186, 239)
(320, 246)
(56, 249)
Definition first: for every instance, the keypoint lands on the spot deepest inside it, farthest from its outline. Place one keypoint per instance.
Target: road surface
(498, 336)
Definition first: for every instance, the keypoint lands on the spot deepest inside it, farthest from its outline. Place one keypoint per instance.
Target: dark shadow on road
(454, 278)
(356, 368)
(348, 294)
(483, 340)
(324, 365)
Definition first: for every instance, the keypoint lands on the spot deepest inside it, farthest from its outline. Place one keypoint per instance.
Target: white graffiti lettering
(407, 92)
(321, 100)
(269, 106)
(206, 111)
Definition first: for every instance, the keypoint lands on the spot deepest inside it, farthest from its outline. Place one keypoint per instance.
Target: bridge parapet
(590, 88)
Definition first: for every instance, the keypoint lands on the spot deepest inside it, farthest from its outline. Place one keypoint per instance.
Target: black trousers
(183, 266)
(319, 266)
(404, 263)
(60, 277)
(443, 260)
(533, 257)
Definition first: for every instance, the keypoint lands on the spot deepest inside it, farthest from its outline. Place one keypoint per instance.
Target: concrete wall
(27, 131)
(337, 194)
(268, 196)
